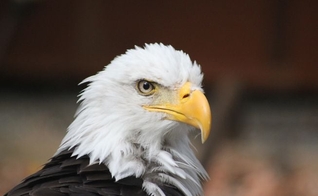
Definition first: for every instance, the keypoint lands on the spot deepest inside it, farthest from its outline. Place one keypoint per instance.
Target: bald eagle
(130, 133)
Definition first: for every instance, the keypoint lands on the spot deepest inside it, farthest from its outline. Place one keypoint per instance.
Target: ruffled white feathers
(113, 128)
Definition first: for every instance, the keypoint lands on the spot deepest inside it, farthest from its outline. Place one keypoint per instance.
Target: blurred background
(259, 58)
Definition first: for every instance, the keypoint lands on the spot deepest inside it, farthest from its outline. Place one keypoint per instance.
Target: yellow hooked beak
(190, 107)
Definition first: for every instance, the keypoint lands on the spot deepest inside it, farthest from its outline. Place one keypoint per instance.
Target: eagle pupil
(146, 85)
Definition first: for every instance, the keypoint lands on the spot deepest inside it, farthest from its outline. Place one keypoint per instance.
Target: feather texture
(65, 175)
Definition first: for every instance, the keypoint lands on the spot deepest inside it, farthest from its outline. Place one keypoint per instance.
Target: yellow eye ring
(145, 87)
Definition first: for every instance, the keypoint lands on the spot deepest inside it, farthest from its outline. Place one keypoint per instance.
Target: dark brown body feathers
(68, 176)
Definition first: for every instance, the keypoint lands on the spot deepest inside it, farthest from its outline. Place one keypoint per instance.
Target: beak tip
(204, 138)
(205, 132)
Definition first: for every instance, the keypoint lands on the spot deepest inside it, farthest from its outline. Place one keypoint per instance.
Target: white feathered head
(135, 116)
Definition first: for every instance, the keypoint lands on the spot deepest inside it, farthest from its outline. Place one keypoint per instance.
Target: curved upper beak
(191, 108)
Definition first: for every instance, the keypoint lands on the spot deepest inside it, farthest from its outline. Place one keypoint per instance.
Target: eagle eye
(145, 87)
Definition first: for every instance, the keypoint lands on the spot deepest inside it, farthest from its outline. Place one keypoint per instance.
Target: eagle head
(135, 116)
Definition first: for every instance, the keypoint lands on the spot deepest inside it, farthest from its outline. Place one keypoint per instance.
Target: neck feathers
(170, 161)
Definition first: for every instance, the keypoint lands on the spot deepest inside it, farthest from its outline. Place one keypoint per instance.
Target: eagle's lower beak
(191, 108)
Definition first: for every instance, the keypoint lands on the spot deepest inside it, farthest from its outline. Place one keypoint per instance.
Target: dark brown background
(270, 44)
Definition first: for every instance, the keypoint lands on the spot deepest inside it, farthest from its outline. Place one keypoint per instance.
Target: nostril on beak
(185, 96)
